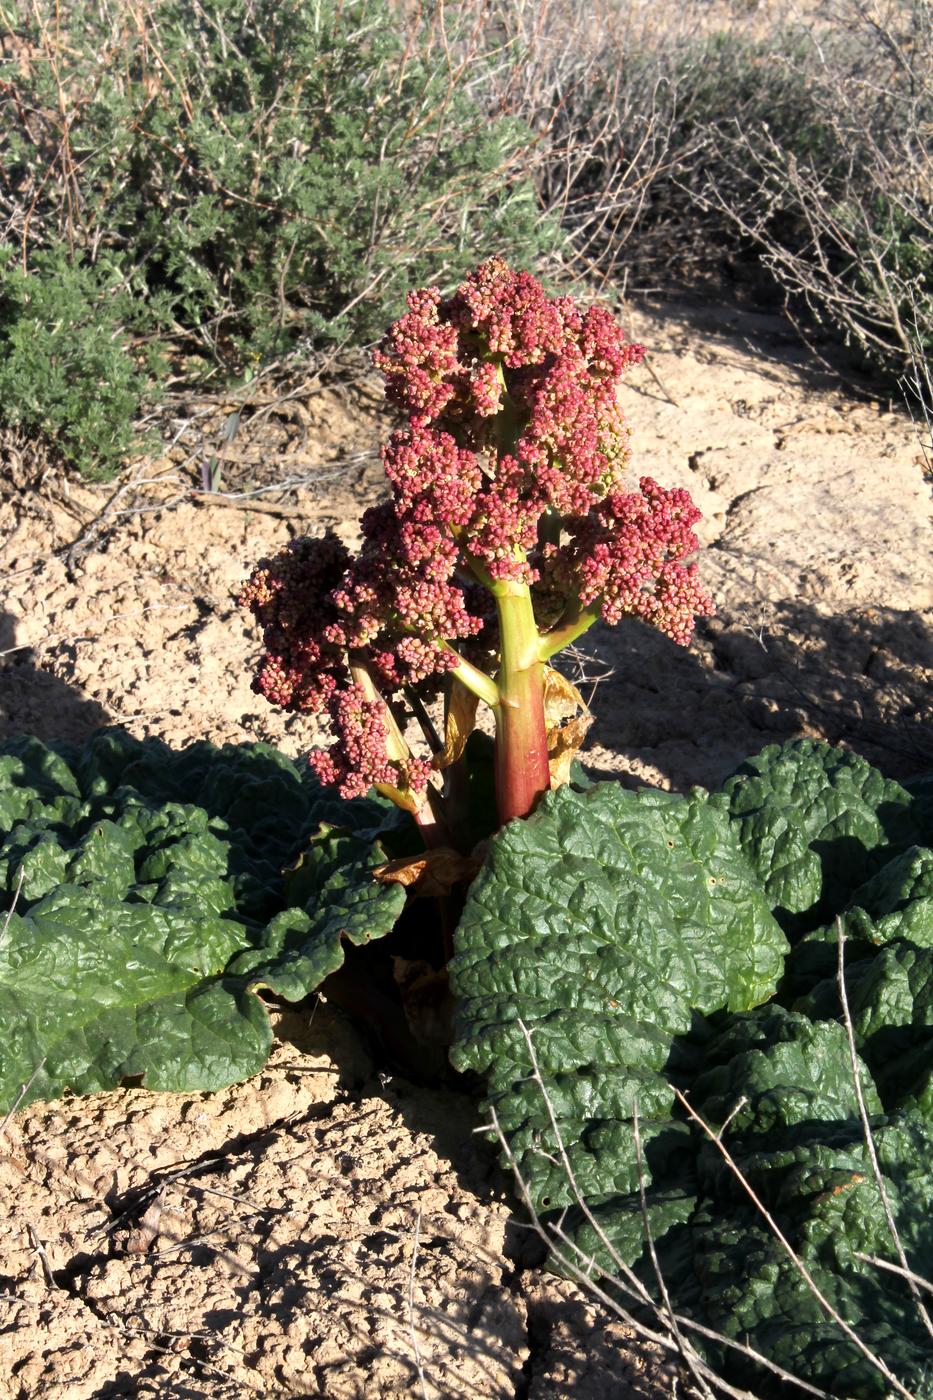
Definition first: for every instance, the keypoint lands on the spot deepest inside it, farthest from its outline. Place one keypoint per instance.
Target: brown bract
(431, 874)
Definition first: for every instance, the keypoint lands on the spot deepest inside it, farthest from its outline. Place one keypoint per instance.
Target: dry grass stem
(412, 1329)
(586, 1271)
(876, 1361)
(669, 1314)
(869, 1136)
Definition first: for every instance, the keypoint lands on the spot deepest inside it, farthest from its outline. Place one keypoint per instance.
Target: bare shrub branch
(876, 1361)
(608, 1285)
(843, 217)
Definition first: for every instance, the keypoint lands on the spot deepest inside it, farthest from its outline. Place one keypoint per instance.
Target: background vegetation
(216, 185)
(192, 191)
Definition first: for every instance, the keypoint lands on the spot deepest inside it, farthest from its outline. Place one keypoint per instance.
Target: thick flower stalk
(511, 527)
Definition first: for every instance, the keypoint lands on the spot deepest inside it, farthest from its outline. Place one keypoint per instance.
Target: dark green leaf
(336, 897)
(604, 923)
(595, 932)
(143, 923)
(813, 821)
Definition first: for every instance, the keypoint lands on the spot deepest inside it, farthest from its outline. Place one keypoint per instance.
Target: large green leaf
(785, 1085)
(814, 821)
(890, 1002)
(604, 924)
(35, 784)
(92, 993)
(334, 897)
(145, 903)
(615, 948)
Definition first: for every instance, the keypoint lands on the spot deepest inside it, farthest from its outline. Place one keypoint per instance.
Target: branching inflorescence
(511, 528)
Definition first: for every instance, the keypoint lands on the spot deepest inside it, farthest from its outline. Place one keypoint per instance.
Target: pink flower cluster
(290, 597)
(521, 389)
(627, 555)
(512, 465)
(299, 599)
(358, 761)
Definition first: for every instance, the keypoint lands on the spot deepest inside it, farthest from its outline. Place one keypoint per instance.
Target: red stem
(522, 771)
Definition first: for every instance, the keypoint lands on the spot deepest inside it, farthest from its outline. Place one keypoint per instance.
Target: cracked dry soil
(324, 1230)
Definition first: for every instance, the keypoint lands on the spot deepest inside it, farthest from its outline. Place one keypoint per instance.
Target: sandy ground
(324, 1231)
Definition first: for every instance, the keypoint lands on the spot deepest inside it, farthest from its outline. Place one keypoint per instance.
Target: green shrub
(268, 178)
(834, 191)
(714, 85)
(67, 365)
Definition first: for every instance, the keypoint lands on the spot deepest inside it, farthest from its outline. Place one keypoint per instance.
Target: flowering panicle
(626, 556)
(510, 475)
(290, 597)
(522, 388)
(359, 759)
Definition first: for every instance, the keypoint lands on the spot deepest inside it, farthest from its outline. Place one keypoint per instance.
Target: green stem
(575, 621)
(522, 772)
(474, 679)
(419, 804)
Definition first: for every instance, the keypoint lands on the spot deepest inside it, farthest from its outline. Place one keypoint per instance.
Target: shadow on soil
(34, 698)
(861, 679)
(741, 319)
(447, 1111)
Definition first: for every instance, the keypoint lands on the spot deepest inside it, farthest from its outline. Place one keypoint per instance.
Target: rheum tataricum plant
(512, 526)
(644, 981)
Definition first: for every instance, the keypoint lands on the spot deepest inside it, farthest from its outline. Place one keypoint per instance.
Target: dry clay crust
(261, 1241)
(317, 1231)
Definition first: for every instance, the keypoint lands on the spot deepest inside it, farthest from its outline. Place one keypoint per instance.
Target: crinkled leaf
(604, 923)
(586, 925)
(32, 862)
(601, 890)
(813, 821)
(799, 1144)
(105, 860)
(336, 897)
(95, 993)
(905, 880)
(785, 1087)
(139, 881)
(890, 1001)
(783, 1068)
(753, 1293)
(35, 784)
(899, 899)
(30, 766)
